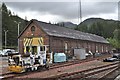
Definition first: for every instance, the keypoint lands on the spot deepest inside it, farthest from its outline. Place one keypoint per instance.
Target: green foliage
(117, 34)
(9, 24)
(4, 8)
(109, 29)
(115, 43)
(98, 26)
(82, 28)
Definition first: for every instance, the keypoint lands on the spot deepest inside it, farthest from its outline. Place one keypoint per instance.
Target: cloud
(98, 8)
(68, 10)
(65, 10)
(59, 0)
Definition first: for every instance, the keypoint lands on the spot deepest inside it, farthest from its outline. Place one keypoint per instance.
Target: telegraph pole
(80, 11)
(5, 38)
(119, 28)
(18, 25)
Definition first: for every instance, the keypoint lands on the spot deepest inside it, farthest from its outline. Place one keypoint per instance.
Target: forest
(10, 24)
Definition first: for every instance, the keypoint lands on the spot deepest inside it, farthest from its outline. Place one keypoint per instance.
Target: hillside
(98, 26)
(67, 24)
(8, 23)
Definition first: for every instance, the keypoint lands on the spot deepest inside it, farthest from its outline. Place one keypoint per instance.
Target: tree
(117, 34)
(4, 8)
(82, 28)
(92, 29)
(9, 13)
(8, 24)
(115, 41)
(99, 27)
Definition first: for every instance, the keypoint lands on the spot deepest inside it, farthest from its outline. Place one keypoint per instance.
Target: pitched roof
(58, 31)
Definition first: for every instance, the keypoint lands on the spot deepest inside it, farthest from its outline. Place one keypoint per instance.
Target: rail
(86, 73)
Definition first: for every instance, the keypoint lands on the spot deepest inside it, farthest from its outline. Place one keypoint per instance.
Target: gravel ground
(3, 65)
(68, 69)
(117, 78)
(53, 72)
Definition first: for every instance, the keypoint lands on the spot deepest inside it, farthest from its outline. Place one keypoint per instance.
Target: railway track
(112, 74)
(86, 73)
(111, 77)
(77, 61)
(53, 66)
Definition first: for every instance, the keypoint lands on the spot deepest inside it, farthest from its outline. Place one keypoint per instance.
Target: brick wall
(57, 44)
(28, 33)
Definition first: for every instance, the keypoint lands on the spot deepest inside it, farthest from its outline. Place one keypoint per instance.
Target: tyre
(28, 69)
(47, 67)
(36, 68)
(32, 68)
(23, 70)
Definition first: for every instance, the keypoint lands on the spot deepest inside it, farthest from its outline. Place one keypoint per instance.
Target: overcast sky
(64, 11)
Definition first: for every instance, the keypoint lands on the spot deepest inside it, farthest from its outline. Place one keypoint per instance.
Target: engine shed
(59, 39)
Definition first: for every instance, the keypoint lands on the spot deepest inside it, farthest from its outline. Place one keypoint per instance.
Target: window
(27, 49)
(96, 48)
(66, 46)
(106, 49)
(34, 49)
(42, 48)
(102, 48)
(33, 28)
(17, 60)
(89, 46)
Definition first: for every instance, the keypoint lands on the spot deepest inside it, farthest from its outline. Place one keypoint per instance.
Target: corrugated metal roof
(54, 30)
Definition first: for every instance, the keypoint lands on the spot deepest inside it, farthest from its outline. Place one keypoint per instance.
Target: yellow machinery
(19, 64)
(15, 63)
(37, 56)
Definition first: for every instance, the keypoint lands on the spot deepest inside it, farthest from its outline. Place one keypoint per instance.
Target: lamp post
(5, 37)
(118, 29)
(18, 25)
